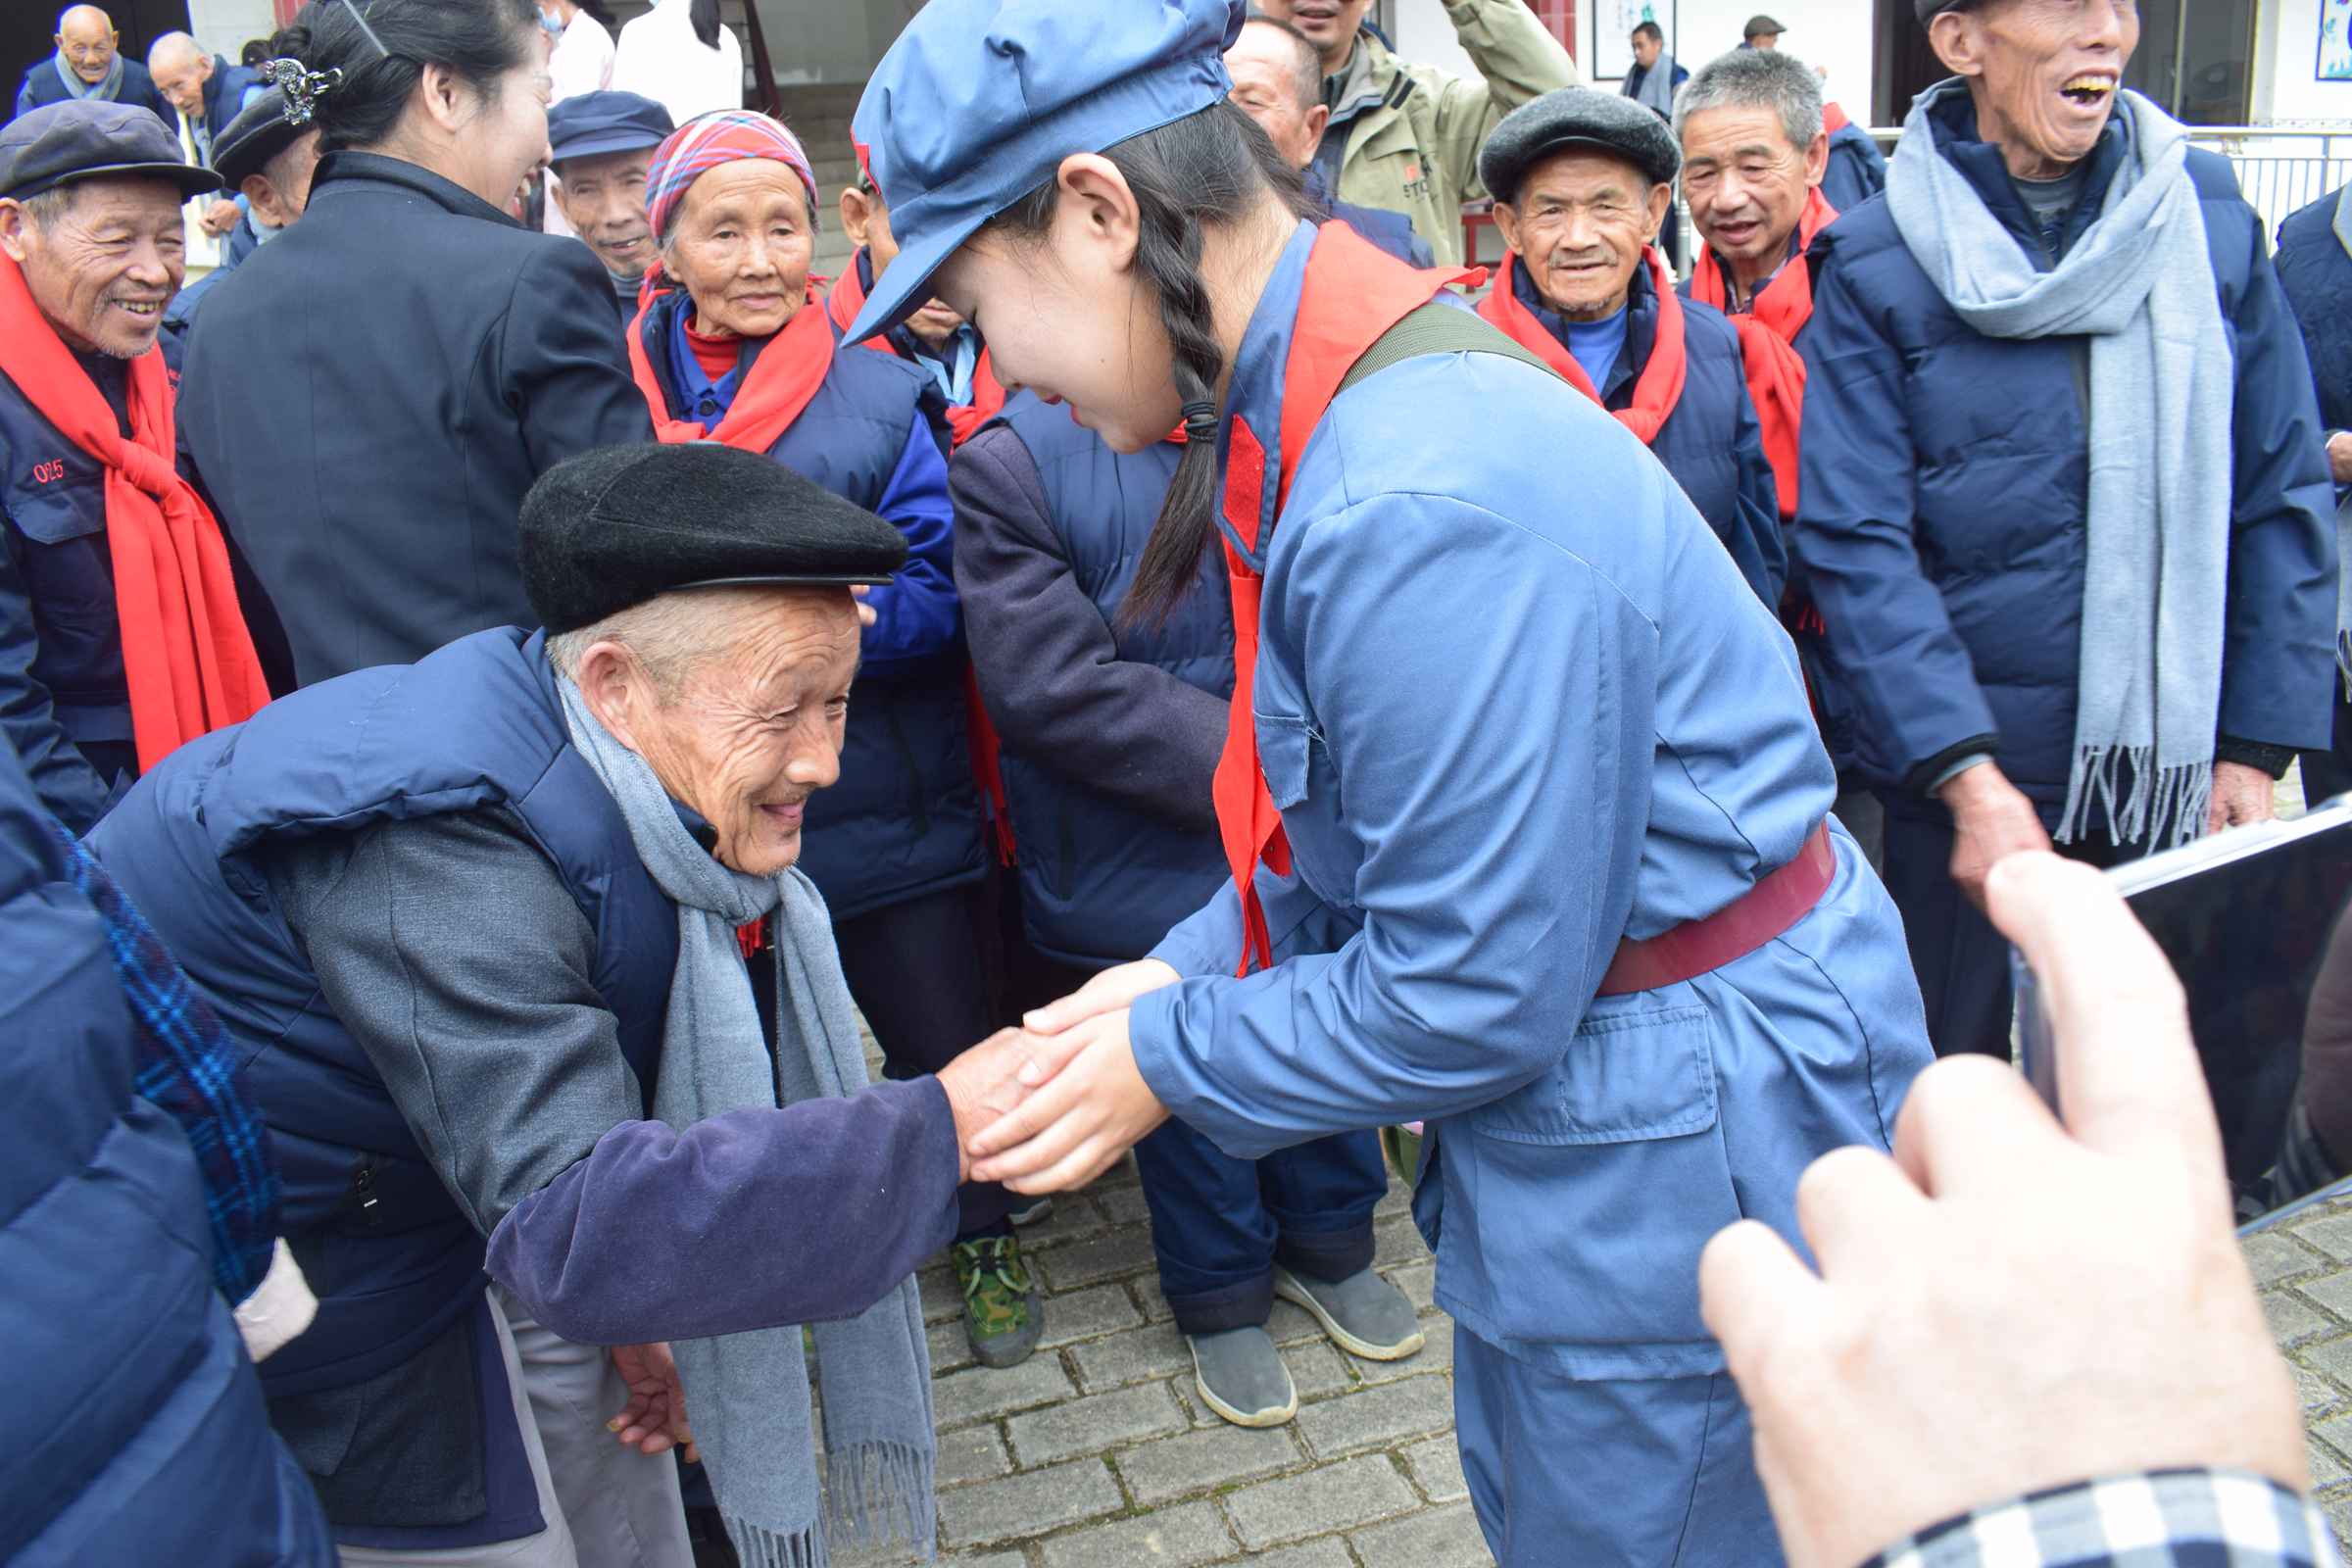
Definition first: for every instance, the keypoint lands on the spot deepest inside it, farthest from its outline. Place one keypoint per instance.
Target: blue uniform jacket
(1509, 722)
(1940, 520)
(1711, 443)
(904, 818)
(1111, 731)
(145, 1437)
(1856, 170)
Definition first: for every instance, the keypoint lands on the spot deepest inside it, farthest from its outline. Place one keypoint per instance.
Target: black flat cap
(91, 138)
(621, 525)
(1576, 117)
(259, 134)
(1759, 24)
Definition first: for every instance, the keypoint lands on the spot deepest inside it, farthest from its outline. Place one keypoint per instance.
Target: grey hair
(670, 634)
(1307, 66)
(1756, 78)
(49, 208)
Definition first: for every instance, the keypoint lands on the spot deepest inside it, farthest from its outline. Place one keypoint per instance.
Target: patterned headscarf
(708, 140)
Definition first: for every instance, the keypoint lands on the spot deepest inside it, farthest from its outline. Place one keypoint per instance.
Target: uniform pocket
(1587, 1195)
(1282, 744)
(51, 514)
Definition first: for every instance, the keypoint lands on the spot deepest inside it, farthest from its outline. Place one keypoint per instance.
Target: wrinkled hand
(1991, 820)
(2339, 457)
(860, 591)
(2241, 795)
(2008, 1303)
(1093, 1106)
(983, 1084)
(654, 1421)
(221, 217)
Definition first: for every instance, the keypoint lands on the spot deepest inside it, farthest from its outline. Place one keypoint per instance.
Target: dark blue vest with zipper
(1101, 882)
(2317, 275)
(473, 727)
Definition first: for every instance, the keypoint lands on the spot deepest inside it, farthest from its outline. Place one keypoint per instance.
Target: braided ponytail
(1207, 169)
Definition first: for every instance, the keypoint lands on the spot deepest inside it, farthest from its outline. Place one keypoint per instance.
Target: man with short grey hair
(1753, 152)
(2062, 490)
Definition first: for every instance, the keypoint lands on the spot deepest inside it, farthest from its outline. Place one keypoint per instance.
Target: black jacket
(367, 397)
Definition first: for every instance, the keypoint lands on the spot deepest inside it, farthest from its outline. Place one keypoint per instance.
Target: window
(2196, 59)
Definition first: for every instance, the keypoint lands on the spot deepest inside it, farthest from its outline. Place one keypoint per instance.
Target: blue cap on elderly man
(587, 125)
(979, 101)
(91, 138)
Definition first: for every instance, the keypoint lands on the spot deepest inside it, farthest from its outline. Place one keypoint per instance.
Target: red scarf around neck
(847, 298)
(1832, 120)
(1776, 375)
(187, 657)
(1354, 292)
(782, 379)
(1660, 386)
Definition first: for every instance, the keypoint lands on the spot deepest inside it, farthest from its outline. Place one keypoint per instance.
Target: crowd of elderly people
(494, 719)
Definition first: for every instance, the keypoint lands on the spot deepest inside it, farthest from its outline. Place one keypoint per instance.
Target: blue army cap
(979, 101)
(91, 138)
(589, 123)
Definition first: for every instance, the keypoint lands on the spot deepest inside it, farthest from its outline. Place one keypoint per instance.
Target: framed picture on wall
(1615, 21)
(2335, 41)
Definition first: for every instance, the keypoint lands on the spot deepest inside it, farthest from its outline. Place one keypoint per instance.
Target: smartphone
(2253, 922)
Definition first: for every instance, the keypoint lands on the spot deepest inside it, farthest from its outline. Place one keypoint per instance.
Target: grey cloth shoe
(1032, 1210)
(1364, 1314)
(1242, 1377)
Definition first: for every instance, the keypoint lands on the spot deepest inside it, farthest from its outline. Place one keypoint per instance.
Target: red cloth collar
(847, 298)
(782, 380)
(187, 657)
(1832, 118)
(1660, 386)
(1776, 375)
(1354, 292)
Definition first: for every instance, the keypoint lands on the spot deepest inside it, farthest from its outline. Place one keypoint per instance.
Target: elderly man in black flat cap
(514, 942)
(1581, 180)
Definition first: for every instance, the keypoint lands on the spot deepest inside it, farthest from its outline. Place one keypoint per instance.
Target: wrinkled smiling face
(88, 45)
(1579, 220)
(1746, 183)
(602, 198)
(181, 82)
(103, 269)
(2044, 74)
(740, 246)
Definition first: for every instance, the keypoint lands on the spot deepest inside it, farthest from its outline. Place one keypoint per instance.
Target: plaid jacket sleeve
(2159, 1519)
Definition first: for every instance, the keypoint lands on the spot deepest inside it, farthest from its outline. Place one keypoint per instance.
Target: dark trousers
(1962, 961)
(1220, 1224)
(919, 972)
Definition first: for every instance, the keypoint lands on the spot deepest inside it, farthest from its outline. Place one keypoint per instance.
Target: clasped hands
(1050, 1106)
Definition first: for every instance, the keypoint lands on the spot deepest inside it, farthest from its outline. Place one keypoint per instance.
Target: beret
(1576, 117)
(259, 134)
(90, 138)
(621, 525)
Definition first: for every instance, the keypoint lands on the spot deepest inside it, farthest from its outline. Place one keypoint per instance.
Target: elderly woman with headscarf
(731, 345)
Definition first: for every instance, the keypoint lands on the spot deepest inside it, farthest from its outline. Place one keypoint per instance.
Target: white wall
(2287, 86)
(223, 26)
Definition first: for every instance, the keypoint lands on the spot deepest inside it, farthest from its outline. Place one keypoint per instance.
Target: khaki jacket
(1415, 150)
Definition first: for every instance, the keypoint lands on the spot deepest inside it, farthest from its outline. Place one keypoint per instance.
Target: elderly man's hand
(2241, 795)
(1991, 819)
(983, 1084)
(2339, 457)
(2009, 1303)
(654, 1421)
(220, 218)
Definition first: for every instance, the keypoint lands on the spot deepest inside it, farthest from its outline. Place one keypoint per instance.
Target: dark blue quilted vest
(2316, 275)
(1101, 883)
(473, 727)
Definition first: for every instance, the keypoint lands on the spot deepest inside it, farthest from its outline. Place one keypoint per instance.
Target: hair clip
(302, 86)
(361, 17)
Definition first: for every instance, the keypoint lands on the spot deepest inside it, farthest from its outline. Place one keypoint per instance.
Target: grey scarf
(110, 89)
(1658, 86)
(2157, 557)
(748, 1394)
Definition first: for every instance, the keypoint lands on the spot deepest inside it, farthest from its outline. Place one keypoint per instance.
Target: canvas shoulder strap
(1437, 328)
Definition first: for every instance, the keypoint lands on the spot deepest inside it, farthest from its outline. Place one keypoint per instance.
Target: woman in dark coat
(369, 397)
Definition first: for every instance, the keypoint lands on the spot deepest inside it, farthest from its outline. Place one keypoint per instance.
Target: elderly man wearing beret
(480, 925)
(120, 634)
(2063, 492)
(1581, 180)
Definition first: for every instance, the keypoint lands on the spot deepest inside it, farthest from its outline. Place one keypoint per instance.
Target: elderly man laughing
(2061, 485)
(483, 923)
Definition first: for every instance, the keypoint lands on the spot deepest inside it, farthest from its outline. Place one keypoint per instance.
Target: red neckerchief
(1354, 292)
(1776, 375)
(187, 658)
(1832, 120)
(782, 379)
(1660, 386)
(964, 419)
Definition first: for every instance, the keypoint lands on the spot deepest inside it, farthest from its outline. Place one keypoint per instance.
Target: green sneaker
(1003, 1316)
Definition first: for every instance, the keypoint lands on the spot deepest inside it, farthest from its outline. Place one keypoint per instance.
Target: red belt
(1738, 929)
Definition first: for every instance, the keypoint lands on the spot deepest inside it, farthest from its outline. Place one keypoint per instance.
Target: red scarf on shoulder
(964, 419)
(1776, 375)
(1660, 386)
(187, 657)
(782, 379)
(1354, 292)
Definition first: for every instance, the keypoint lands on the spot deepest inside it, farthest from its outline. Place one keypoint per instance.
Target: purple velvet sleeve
(747, 1220)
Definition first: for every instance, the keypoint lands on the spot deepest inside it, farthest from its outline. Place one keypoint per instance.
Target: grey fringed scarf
(2139, 285)
(1657, 88)
(109, 88)
(748, 1394)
